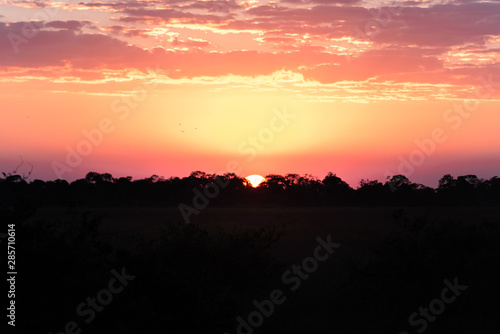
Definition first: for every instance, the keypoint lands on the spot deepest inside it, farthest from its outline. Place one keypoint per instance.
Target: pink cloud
(410, 44)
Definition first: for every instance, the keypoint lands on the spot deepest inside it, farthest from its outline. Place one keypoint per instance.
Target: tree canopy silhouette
(102, 189)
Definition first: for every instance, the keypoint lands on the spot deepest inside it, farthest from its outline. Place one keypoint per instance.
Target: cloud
(373, 64)
(450, 43)
(191, 42)
(122, 30)
(171, 16)
(221, 6)
(69, 25)
(75, 51)
(324, 2)
(413, 23)
(57, 48)
(442, 25)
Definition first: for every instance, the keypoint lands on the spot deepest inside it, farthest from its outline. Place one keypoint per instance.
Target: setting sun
(255, 180)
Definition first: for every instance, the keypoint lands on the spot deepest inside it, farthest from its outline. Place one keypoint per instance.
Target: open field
(390, 261)
(359, 230)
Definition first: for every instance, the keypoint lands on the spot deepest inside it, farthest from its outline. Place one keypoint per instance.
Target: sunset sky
(363, 89)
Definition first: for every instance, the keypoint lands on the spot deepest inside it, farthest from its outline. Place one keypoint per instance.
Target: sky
(362, 89)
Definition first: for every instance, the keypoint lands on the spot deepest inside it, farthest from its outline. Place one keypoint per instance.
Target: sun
(255, 180)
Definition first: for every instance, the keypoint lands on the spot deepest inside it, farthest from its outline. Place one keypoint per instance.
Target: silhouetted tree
(337, 189)
(101, 189)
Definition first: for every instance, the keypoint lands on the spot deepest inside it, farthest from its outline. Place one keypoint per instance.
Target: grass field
(390, 262)
(359, 230)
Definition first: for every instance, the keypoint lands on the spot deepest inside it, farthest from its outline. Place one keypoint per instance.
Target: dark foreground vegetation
(230, 190)
(190, 280)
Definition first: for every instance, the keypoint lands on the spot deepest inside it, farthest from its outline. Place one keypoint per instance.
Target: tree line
(102, 189)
